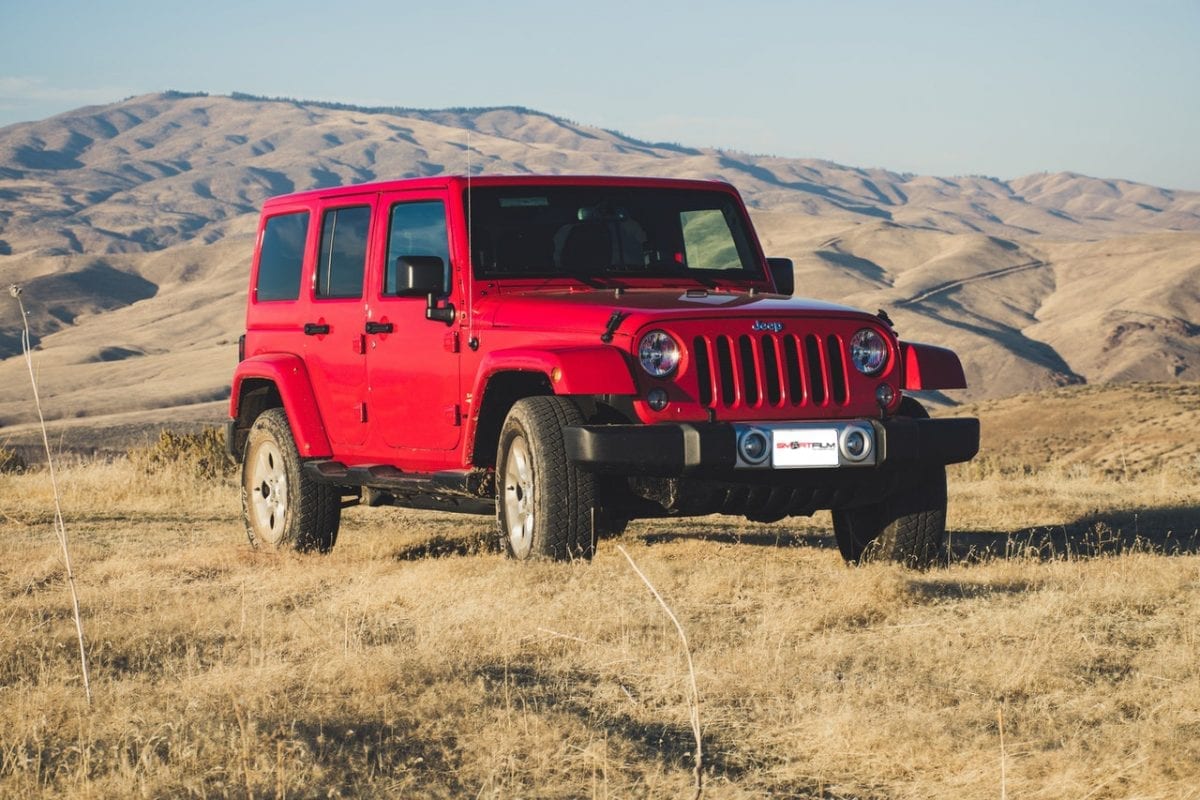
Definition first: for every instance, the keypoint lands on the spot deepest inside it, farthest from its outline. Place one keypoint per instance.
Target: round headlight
(868, 351)
(659, 353)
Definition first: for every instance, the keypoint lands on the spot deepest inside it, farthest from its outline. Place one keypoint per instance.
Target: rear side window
(282, 257)
(343, 251)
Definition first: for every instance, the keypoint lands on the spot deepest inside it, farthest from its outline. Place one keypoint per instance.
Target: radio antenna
(470, 242)
(470, 266)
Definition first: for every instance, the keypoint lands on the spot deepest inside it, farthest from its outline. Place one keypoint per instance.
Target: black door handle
(315, 329)
(379, 327)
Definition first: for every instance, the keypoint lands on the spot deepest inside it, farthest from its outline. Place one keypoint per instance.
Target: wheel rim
(267, 488)
(518, 497)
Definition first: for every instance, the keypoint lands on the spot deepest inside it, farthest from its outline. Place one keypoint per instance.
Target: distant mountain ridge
(131, 224)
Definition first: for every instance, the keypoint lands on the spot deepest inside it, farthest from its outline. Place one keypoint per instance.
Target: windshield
(591, 232)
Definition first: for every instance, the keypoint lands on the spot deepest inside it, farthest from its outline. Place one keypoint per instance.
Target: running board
(468, 491)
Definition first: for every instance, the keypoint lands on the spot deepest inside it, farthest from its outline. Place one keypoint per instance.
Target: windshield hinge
(614, 322)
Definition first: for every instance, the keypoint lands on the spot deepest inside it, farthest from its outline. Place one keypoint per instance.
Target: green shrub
(201, 454)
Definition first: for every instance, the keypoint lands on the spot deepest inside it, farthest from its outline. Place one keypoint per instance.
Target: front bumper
(711, 449)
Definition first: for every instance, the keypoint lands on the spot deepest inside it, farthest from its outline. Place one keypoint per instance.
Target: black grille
(776, 370)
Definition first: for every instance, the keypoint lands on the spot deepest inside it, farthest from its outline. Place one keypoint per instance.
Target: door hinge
(451, 341)
(454, 415)
(362, 412)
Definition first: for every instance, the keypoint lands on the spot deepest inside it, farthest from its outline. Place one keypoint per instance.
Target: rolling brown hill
(130, 227)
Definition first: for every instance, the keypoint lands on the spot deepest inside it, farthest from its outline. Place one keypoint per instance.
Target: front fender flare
(580, 370)
(290, 378)
(565, 370)
(929, 367)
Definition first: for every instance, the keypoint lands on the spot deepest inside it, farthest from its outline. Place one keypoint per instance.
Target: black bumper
(674, 450)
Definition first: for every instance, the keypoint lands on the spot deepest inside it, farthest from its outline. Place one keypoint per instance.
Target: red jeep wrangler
(571, 353)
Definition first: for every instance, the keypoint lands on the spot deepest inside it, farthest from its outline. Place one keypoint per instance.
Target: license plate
(804, 447)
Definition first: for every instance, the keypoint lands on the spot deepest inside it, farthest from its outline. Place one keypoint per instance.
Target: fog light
(856, 444)
(884, 395)
(657, 398)
(754, 446)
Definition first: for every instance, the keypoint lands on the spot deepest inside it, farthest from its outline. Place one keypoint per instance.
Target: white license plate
(804, 447)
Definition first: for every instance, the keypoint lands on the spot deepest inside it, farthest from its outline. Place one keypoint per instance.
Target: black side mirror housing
(783, 274)
(426, 275)
(420, 275)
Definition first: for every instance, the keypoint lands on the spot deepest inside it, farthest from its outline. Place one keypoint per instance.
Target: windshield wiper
(592, 281)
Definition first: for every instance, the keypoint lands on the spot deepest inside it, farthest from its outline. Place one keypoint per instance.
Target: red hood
(744, 356)
(589, 310)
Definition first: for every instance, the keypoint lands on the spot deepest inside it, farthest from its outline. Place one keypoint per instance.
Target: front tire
(908, 527)
(543, 502)
(281, 506)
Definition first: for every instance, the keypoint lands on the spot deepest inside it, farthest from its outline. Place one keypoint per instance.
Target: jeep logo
(773, 327)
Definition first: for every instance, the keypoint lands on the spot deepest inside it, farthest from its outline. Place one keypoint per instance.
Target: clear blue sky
(1110, 89)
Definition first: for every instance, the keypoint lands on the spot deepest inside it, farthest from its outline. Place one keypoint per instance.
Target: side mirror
(425, 275)
(784, 274)
(420, 275)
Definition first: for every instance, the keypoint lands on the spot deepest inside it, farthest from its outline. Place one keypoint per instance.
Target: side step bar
(467, 491)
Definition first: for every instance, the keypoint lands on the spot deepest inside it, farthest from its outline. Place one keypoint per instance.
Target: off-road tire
(543, 502)
(282, 508)
(908, 527)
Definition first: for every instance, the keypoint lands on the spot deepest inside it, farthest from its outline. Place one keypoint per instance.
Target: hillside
(1118, 431)
(130, 227)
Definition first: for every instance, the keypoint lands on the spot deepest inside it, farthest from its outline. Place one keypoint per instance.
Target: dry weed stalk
(694, 696)
(60, 527)
(1003, 768)
(244, 755)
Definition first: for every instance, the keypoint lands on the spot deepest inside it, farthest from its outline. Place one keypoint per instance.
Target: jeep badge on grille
(773, 327)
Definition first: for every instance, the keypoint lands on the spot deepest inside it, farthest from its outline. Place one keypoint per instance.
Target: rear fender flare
(290, 378)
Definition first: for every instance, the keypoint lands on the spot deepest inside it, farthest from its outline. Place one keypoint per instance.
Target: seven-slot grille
(776, 369)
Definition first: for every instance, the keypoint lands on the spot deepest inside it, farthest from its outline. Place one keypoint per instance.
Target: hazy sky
(1110, 89)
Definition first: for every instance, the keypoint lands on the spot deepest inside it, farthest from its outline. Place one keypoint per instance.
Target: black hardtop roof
(458, 182)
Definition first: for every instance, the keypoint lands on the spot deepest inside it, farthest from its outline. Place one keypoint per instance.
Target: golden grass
(415, 662)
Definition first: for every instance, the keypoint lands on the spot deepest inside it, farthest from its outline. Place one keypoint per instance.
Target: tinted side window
(343, 251)
(282, 257)
(418, 229)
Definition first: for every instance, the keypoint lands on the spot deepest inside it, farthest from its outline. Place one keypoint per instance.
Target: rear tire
(543, 502)
(281, 506)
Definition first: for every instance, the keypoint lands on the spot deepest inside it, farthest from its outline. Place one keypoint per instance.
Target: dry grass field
(1056, 656)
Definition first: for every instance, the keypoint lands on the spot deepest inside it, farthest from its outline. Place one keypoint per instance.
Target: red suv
(570, 353)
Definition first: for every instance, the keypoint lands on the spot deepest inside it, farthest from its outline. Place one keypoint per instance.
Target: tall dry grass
(415, 662)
